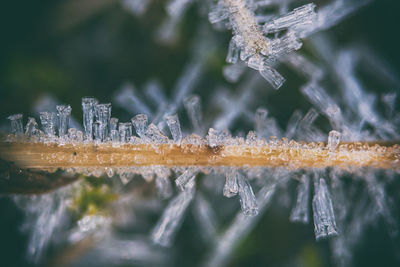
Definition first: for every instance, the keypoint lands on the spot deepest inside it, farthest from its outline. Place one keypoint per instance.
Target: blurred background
(69, 49)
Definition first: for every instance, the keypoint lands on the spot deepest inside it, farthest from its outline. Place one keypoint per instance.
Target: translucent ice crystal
(298, 18)
(114, 136)
(16, 124)
(113, 124)
(293, 123)
(248, 201)
(140, 123)
(155, 135)
(64, 113)
(216, 138)
(88, 104)
(284, 45)
(333, 140)
(174, 127)
(97, 131)
(193, 108)
(271, 75)
(301, 210)
(185, 179)
(125, 131)
(163, 185)
(260, 119)
(72, 136)
(324, 217)
(103, 115)
(233, 52)
(47, 120)
(320, 98)
(31, 128)
(231, 186)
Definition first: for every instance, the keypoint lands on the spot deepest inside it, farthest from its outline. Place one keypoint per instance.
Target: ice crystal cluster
(324, 197)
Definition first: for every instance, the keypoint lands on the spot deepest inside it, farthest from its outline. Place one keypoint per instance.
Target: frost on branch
(250, 42)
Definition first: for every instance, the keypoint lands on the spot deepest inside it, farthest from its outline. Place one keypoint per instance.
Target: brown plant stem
(293, 155)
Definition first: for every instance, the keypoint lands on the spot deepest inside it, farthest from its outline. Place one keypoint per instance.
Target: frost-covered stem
(294, 155)
(245, 24)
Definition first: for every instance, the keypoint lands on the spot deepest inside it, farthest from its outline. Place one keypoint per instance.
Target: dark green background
(42, 50)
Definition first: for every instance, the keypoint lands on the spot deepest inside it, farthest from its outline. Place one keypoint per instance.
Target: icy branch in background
(128, 98)
(233, 72)
(324, 217)
(331, 14)
(45, 216)
(293, 123)
(234, 106)
(135, 251)
(237, 230)
(137, 7)
(205, 216)
(172, 216)
(306, 129)
(155, 92)
(302, 64)
(301, 210)
(16, 124)
(319, 97)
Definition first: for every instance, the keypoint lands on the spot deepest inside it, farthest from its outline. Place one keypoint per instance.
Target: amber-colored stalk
(293, 155)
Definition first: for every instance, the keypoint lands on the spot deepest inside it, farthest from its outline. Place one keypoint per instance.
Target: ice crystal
(88, 104)
(64, 112)
(324, 217)
(301, 210)
(16, 124)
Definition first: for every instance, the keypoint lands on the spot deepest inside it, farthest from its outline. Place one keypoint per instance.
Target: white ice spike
(248, 201)
(16, 124)
(231, 186)
(301, 210)
(324, 217)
